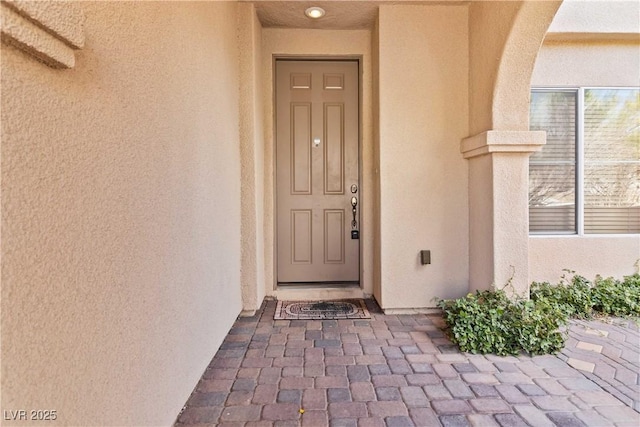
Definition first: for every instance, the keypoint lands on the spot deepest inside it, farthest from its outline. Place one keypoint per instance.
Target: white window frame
(579, 90)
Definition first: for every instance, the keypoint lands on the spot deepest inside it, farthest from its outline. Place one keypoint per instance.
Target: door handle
(354, 204)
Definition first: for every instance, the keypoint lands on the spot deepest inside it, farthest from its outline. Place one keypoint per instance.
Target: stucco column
(498, 207)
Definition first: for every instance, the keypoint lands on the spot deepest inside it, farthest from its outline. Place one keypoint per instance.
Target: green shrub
(574, 298)
(490, 322)
(581, 299)
(611, 296)
(538, 330)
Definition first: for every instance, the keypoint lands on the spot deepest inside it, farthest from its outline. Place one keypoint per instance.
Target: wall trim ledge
(49, 31)
(500, 141)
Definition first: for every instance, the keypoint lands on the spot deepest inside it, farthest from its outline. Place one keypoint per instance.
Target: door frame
(292, 57)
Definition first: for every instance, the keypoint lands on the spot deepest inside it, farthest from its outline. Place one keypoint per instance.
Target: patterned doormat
(321, 310)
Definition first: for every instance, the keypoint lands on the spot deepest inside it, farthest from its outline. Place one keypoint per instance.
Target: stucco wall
(481, 273)
(586, 255)
(601, 17)
(571, 63)
(504, 38)
(120, 214)
(423, 102)
(252, 157)
(375, 72)
(489, 26)
(316, 43)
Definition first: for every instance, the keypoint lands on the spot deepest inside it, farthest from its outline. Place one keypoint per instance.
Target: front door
(318, 193)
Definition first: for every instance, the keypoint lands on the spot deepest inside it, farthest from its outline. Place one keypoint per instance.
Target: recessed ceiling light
(314, 12)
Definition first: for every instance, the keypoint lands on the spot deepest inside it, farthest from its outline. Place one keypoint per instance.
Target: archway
(505, 38)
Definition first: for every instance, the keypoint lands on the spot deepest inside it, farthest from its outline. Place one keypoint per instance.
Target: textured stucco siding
(588, 256)
(252, 157)
(120, 214)
(423, 112)
(583, 63)
(487, 38)
(597, 17)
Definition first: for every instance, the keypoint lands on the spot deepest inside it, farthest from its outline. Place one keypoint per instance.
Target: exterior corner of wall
(375, 65)
(252, 156)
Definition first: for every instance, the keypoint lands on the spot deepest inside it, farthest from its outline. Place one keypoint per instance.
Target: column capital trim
(502, 141)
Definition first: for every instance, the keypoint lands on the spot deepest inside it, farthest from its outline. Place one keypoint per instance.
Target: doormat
(321, 310)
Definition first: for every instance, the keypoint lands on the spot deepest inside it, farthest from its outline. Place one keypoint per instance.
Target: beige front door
(317, 171)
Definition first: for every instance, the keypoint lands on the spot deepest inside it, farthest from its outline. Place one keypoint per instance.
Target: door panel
(334, 148)
(301, 236)
(334, 225)
(316, 165)
(300, 148)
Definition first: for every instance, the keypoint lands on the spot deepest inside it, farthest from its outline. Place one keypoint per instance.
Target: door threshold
(318, 292)
(318, 285)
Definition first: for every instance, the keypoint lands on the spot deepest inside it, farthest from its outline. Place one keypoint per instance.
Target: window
(552, 171)
(586, 179)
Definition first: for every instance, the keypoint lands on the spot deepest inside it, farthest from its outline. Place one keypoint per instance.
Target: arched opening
(505, 38)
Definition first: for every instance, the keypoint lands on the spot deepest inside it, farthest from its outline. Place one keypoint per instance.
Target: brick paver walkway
(402, 371)
(607, 353)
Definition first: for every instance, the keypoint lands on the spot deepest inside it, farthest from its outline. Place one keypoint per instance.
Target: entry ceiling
(340, 14)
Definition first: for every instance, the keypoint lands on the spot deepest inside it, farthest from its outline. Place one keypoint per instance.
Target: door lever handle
(354, 203)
